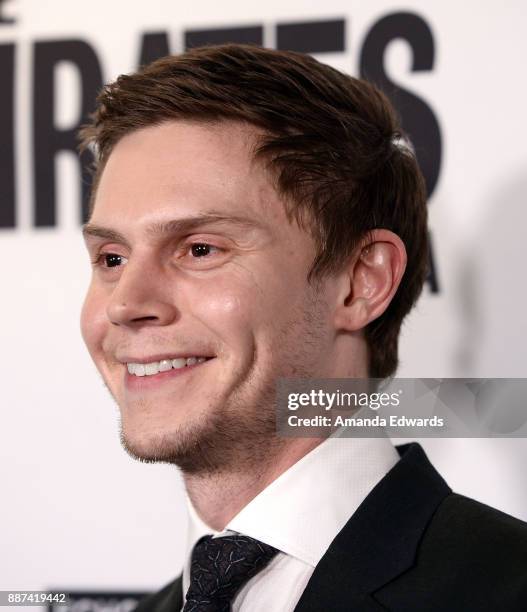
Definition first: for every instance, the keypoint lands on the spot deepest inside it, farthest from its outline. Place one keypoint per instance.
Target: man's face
(197, 272)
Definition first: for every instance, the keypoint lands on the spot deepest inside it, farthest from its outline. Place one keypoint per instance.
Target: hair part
(342, 163)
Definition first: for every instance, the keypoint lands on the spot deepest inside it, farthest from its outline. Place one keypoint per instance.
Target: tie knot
(220, 567)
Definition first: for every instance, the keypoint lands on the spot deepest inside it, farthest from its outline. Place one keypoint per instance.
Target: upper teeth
(149, 369)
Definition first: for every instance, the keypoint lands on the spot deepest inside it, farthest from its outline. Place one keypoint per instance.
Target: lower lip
(143, 383)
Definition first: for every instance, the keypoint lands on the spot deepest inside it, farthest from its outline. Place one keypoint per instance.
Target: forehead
(183, 168)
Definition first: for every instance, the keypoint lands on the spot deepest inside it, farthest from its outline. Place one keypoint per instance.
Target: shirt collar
(302, 511)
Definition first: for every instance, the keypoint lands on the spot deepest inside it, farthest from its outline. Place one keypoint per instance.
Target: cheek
(232, 310)
(93, 321)
(244, 314)
(228, 312)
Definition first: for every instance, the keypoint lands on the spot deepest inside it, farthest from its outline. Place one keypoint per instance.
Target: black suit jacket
(412, 546)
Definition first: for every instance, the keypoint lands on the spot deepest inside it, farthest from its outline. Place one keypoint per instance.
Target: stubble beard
(229, 439)
(239, 435)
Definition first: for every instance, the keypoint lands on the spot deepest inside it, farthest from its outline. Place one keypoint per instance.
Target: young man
(256, 215)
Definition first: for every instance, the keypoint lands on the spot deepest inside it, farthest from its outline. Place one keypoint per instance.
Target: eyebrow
(174, 226)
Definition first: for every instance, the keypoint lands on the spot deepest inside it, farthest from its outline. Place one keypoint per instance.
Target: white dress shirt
(300, 513)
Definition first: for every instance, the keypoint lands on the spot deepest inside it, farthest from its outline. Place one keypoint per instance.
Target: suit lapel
(172, 599)
(380, 540)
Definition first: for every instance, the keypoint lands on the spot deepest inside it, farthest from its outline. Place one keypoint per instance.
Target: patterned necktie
(220, 567)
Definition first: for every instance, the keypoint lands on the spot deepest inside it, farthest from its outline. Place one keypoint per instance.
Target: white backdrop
(75, 511)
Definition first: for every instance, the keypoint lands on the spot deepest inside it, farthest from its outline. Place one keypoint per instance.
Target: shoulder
(168, 599)
(470, 557)
(474, 529)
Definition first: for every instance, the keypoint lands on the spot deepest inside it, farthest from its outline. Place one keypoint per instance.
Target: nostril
(142, 308)
(138, 320)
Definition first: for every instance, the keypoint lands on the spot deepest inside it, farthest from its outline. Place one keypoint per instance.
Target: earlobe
(373, 276)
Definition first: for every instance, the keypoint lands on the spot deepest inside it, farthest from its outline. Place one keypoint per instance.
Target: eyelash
(99, 259)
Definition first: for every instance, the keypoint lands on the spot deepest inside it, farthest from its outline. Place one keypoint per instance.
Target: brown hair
(334, 142)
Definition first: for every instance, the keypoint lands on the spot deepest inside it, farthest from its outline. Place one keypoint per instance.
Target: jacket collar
(380, 540)
(169, 599)
(377, 544)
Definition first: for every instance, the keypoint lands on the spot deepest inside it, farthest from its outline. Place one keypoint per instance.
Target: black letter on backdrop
(247, 35)
(7, 136)
(418, 119)
(48, 140)
(312, 36)
(153, 46)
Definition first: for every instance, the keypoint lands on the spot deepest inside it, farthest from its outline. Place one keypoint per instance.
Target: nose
(141, 297)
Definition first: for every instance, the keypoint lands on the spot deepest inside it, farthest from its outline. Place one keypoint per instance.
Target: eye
(112, 259)
(202, 255)
(202, 249)
(109, 260)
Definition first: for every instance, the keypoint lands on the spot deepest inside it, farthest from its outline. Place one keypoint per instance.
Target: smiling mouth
(165, 365)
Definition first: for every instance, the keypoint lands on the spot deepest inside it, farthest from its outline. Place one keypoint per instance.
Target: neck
(218, 497)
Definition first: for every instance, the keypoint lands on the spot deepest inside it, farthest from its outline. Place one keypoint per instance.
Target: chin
(217, 442)
(188, 447)
(151, 447)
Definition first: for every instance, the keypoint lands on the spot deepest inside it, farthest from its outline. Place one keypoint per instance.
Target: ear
(370, 280)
